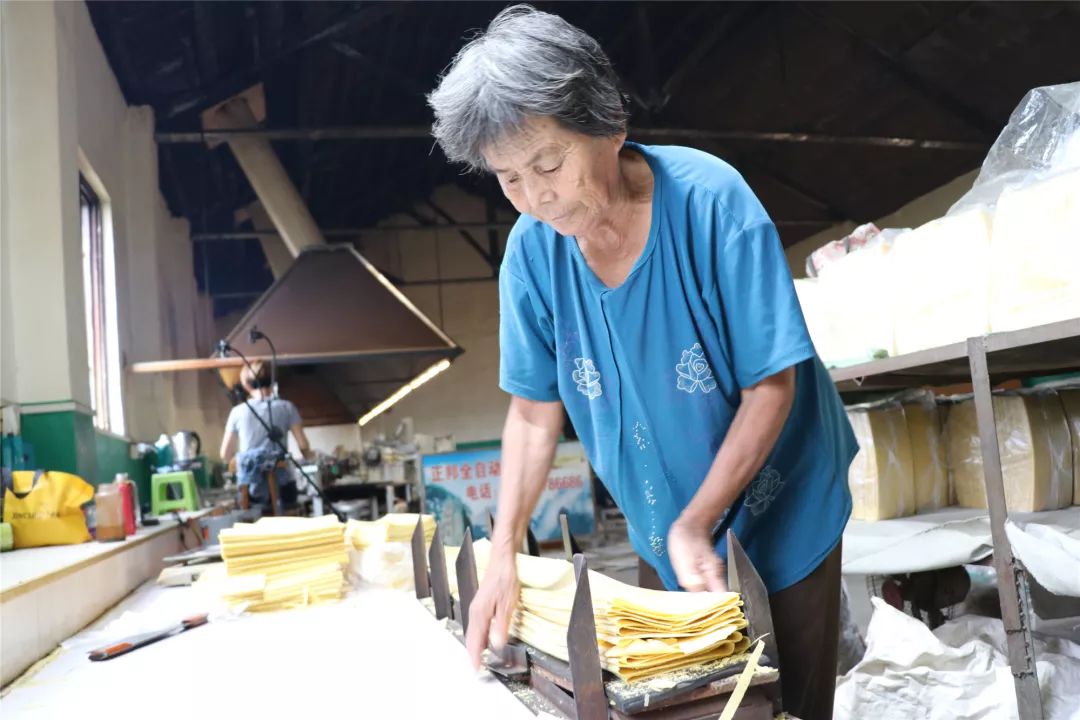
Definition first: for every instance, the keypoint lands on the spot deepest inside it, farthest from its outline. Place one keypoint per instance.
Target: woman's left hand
(694, 559)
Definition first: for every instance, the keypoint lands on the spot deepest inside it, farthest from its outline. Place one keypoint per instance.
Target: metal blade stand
(440, 585)
(579, 689)
(419, 563)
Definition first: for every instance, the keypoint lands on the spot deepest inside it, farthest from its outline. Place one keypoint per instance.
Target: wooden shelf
(1043, 350)
(984, 362)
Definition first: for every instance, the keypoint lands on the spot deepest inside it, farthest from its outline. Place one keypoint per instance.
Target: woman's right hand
(493, 607)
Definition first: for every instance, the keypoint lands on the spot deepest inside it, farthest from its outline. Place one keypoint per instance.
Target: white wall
(326, 438)
(42, 274)
(919, 211)
(465, 400)
(63, 111)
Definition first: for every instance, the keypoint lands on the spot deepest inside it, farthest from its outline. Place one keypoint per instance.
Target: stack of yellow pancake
(282, 562)
(640, 633)
(395, 527)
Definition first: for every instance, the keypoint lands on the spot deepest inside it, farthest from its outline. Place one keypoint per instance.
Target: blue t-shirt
(650, 372)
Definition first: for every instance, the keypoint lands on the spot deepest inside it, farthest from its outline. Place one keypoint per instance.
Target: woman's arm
(229, 442)
(754, 431)
(530, 435)
(297, 431)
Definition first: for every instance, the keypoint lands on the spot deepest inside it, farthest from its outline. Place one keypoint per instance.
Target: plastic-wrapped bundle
(1070, 399)
(1031, 175)
(953, 308)
(1035, 449)
(1035, 254)
(881, 477)
(927, 450)
(858, 292)
(820, 321)
(831, 252)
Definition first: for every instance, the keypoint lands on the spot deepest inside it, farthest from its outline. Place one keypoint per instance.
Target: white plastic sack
(958, 672)
(1050, 556)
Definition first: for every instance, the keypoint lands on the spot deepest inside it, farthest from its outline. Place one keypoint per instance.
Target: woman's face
(563, 178)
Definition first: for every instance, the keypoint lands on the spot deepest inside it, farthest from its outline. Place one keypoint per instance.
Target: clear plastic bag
(1041, 138)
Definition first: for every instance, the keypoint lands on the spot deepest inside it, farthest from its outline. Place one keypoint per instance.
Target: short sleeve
(760, 309)
(527, 365)
(231, 421)
(294, 414)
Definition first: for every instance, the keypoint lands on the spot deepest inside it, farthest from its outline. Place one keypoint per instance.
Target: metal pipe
(353, 232)
(349, 232)
(423, 132)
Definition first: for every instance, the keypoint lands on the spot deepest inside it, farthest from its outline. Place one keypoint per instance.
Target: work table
(377, 653)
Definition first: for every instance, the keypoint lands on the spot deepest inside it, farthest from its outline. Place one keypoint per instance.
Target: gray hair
(527, 64)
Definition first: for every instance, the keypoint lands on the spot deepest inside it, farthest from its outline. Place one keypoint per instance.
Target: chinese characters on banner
(461, 489)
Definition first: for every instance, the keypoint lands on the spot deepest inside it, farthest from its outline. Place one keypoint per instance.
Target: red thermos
(127, 496)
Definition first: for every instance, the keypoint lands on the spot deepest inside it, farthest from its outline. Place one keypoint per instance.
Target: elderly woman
(645, 289)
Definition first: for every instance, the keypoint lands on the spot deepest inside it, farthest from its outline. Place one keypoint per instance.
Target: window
(99, 293)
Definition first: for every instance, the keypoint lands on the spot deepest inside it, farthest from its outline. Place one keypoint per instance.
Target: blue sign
(461, 489)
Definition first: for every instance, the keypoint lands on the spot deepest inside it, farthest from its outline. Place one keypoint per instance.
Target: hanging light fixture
(403, 391)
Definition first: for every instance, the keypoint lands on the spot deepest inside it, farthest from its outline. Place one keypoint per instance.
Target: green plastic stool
(159, 490)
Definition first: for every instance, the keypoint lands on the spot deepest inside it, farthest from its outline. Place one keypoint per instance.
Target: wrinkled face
(563, 178)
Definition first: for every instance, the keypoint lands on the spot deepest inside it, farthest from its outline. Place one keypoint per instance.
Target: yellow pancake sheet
(640, 633)
(282, 562)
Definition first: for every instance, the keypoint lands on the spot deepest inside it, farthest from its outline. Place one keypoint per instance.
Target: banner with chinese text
(461, 489)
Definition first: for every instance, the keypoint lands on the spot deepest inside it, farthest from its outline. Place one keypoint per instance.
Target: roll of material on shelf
(1035, 448)
(1070, 399)
(882, 475)
(1035, 254)
(930, 471)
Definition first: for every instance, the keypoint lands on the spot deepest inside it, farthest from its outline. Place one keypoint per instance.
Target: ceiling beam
(919, 82)
(354, 231)
(228, 235)
(734, 15)
(492, 262)
(423, 132)
(205, 45)
(449, 281)
(493, 233)
(116, 42)
(648, 94)
(355, 18)
(406, 84)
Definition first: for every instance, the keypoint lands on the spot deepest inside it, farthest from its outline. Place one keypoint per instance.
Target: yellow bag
(44, 508)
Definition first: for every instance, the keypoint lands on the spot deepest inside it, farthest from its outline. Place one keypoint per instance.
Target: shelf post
(1011, 581)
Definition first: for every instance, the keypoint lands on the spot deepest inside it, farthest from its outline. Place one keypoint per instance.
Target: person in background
(257, 450)
(645, 290)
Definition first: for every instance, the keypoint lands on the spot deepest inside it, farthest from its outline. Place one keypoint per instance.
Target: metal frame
(1010, 575)
(423, 132)
(986, 359)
